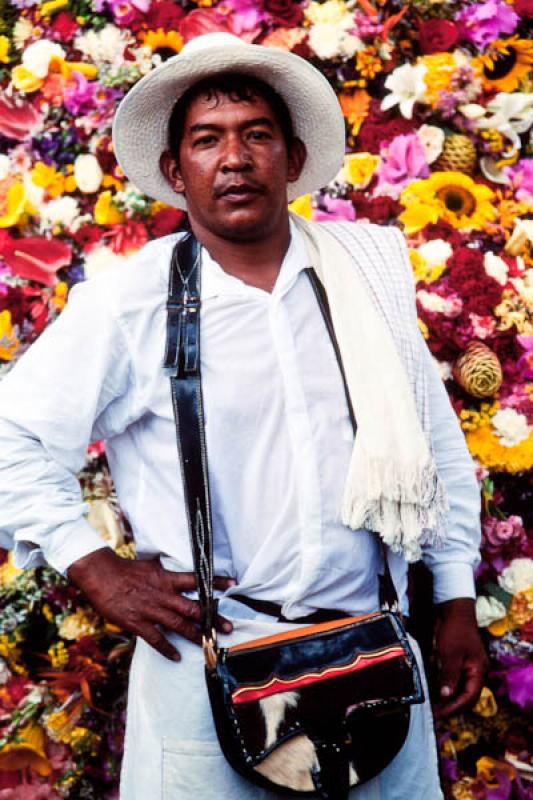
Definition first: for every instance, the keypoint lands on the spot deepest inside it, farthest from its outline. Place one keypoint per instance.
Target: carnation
(105, 46)
(518, 576)
(62, 211)
(488, 610)
(510, 426)
(496, 268)
(330, 41)
(431, 301)
(435, 252)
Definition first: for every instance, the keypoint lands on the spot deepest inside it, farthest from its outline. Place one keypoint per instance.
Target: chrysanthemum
(487, 448)
(505, 64)
(164, 43)
(449, 196)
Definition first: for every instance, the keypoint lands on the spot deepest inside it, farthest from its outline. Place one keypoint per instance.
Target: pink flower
(521, 178)
(402, 159)
(246, 15)
(499, 533)
(80, 95)
(525, 362)
(481, 23)
(334, 209)
(203, 20)
(19, 120)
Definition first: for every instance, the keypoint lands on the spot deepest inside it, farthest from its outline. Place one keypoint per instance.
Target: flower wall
(438, 107)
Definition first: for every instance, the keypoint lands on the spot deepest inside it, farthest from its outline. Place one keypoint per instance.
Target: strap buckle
(209, 646)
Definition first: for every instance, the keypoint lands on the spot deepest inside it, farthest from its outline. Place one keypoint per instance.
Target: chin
(244, 228)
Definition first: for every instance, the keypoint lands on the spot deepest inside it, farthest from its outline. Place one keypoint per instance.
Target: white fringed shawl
(392, 485)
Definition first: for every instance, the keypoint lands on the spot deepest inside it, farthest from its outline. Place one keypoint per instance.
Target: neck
(255, 262)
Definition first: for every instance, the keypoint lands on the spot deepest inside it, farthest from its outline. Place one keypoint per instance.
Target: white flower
(333, 41)
(510, 426)
(62, 211)
(432, 140)
(329, 13)
(407, 87)
(522, 235)
(444, 368)
(88, 173)
(5, 673)
(512, 114)
(496, 268)
(35, 193)
(36, 58)
(488, 610)
(5, 167)
(450, 306)
(21, 32)
(435, 252)
(100, 259)
(518, 576)
(472, 111)
(105, 46)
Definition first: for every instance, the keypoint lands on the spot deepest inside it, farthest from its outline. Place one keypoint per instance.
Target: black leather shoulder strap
(182, 364)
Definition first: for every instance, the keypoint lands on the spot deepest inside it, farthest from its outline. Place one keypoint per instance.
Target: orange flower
(355, 108)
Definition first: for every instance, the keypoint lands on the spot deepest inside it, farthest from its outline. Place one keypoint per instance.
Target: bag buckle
(209, 646)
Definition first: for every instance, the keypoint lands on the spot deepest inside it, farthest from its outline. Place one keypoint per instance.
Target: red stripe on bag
(247, 694)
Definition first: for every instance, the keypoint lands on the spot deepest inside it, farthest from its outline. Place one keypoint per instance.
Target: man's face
(234, 167)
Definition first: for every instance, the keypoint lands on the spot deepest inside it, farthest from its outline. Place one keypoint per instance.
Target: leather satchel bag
(319, 709)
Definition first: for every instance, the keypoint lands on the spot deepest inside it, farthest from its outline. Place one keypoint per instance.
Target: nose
(236, 156)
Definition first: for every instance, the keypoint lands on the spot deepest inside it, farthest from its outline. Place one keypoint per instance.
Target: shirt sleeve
(73, 386)
(453, 562)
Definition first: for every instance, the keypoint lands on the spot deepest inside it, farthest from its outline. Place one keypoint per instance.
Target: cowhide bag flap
(313, 711)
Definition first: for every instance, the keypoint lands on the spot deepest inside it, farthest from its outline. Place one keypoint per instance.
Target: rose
(437, 35)
(63, 27)
(284, 12)
(497, 533)
(165, 15)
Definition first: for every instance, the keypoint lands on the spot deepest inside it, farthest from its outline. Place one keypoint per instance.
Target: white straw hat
(140, 127)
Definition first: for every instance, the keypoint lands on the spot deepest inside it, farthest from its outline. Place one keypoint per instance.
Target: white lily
(407, 87)
(511, 115)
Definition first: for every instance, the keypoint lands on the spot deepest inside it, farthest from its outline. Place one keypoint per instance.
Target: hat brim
(140, 127)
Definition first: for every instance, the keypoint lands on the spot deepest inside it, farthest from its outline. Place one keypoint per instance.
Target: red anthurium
(35, 258)
(18, 119)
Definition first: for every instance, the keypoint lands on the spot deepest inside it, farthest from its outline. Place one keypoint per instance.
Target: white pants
(172, 752)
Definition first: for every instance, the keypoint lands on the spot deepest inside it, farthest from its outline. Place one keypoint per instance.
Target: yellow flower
(8, 348)
(161, 40)
(24, 80)
(424, 328)
(58, 655)
(486, 706)
(4, 49)
(521, 608)
(47, 177)
(368, 63)
(355, 108)
(359, 168)
(302, 206)
(514, 310)
(105, 212)
(12, 202)
(27, 750)
(486, 447)
(59, 725)
(487, 767)
(110, 182)
(422, 271)
(76, 625)
(450, 196)
(8, 571)
(52, 5)
(505, 64)
(440, 70)
(329, 13)
(59, 298)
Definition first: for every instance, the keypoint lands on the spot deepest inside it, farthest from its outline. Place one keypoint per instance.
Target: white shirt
(278, 438)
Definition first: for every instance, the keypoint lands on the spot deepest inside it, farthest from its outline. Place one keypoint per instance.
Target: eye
(209, 138)
(259, 135)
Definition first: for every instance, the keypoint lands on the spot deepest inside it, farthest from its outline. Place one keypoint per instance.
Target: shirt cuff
(452, 580)
(67, 544)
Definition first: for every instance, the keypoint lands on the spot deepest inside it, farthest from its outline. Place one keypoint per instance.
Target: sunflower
(450, 196)
(505, 64)
(164, 43)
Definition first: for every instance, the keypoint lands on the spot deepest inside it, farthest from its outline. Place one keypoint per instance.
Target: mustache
(237, 187)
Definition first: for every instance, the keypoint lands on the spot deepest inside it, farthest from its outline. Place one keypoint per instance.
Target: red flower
(443, 230)
(203, 20)
(18, 119)
(524, 8)
(376, 209)
(35, 258)
(166, 221)
(380, 127)
(87, 237)
(284, 12)
(127, 237)
(437, 35)
(166, 15)
(479, 292)
(63, 27)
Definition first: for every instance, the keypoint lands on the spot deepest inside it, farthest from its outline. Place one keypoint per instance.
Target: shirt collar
(216, 282)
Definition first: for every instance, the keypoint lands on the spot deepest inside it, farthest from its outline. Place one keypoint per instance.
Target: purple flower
(402, 159)
(483, 22)
(80, 98)
(246, 16)
(335, 208)
(520, 685)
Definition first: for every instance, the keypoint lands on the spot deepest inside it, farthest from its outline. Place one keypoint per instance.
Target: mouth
(239, 193)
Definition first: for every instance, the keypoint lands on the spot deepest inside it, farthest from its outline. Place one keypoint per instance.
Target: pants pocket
(199, 770)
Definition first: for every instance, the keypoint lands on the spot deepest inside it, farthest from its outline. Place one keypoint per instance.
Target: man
(281, 452)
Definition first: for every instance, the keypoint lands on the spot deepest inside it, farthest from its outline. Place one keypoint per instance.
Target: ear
(171, 171)
(297, 158)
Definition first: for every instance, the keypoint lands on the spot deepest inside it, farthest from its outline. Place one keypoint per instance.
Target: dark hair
(238, 87)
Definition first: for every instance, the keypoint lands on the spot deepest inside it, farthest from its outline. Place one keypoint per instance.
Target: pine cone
(458, 155)
(478, 370)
